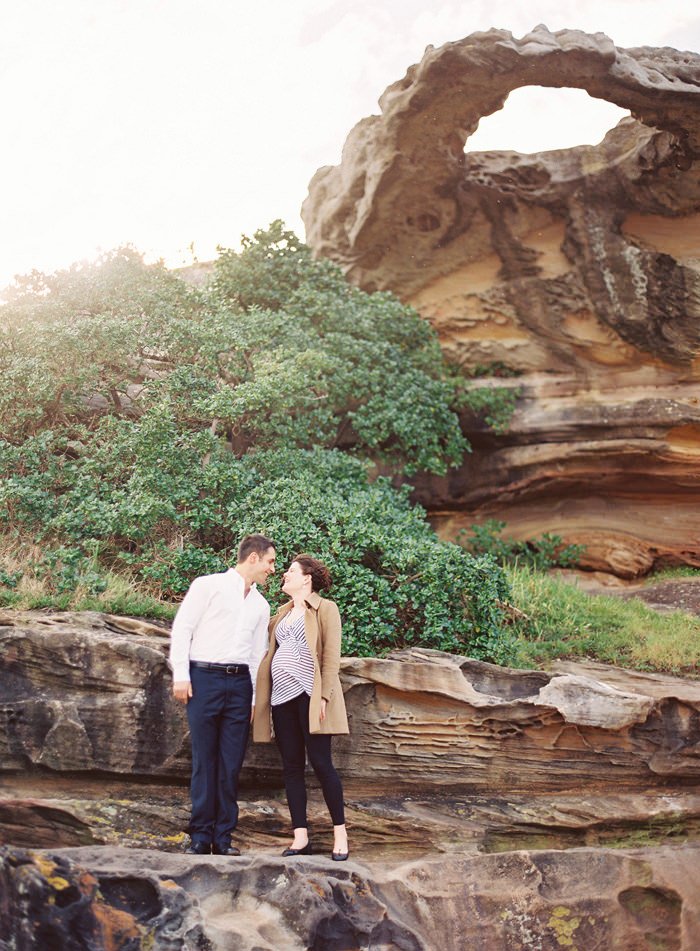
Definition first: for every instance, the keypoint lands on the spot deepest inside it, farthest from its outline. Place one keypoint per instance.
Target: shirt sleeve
(261, 641)
(185, 623)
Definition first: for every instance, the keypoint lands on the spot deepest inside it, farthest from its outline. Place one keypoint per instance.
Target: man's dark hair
(257, 543)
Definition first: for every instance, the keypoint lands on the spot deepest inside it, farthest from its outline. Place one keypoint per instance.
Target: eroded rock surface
(578, 269)
(630, 900)
(43, 812)
(91, 693)
(48, 901)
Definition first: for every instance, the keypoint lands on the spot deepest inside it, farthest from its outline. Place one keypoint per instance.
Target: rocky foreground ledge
(585, 899)
(489, 808)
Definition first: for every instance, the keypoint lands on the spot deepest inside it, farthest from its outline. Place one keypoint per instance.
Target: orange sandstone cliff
(576, 269)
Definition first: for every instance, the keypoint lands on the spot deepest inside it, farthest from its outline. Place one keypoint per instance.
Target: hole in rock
(540, 119)
(136, 896)
(657, 911)
(67, 896)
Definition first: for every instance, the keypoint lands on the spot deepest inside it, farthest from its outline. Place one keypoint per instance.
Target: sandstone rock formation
(91, 693)
(46, 901)
(627, 900)
(578, 269)
(488, 807)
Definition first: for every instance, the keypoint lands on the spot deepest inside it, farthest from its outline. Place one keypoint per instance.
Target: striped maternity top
(292, 666)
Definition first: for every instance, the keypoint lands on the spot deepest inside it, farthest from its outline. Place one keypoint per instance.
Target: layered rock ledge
(488, 807)
(578, 269)
(91, 693)
(627, 900)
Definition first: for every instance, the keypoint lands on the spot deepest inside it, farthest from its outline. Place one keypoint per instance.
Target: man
(219, 637)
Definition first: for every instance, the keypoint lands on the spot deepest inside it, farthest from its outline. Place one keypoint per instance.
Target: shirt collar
(238, 578)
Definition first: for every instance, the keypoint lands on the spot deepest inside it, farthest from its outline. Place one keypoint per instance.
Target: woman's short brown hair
(320, 575)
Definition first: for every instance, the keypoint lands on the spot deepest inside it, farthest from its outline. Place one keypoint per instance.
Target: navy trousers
(219, 716)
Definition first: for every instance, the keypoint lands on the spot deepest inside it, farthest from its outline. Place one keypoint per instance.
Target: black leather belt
(221, 668)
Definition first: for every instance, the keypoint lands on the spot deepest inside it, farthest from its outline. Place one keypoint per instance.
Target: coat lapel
(311, 622)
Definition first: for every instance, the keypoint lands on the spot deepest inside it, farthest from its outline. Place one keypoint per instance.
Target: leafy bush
(149, 425)
(9, 579)
(396, 583)
(541, 553)
(496, 404)
(67, 568)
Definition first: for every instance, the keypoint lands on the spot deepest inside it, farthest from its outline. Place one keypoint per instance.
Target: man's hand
(323, 711)
(252, 712)
(182, 690)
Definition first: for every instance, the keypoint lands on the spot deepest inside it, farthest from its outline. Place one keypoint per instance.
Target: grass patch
(25, 585)
(657, 831)
(120, 597)
(565, 622)
(670, 574)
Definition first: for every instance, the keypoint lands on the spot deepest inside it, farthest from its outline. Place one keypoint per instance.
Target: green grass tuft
(565, 622)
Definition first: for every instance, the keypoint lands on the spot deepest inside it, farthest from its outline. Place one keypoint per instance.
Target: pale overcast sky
(166, 123)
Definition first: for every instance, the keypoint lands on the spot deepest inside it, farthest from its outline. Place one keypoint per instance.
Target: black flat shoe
(340, 856)
(198, 848)
(305, 851)
(225, 850)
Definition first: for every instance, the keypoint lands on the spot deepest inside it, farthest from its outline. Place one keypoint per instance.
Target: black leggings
(291, 722)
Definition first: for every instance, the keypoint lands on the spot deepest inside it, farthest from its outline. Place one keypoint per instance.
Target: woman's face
(294, 581)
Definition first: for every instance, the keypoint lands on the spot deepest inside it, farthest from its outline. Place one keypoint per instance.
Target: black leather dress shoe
(198, 848)
(225, 850)
(305, 851)
(340, 856)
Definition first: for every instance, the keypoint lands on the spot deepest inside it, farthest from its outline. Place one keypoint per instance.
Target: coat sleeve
(330, 629)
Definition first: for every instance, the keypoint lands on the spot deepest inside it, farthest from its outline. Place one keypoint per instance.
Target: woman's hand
(323, 710)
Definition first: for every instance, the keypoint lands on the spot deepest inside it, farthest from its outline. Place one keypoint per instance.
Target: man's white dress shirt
(218, 624)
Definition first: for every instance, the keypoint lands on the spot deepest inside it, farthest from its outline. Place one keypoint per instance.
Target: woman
(298, 684)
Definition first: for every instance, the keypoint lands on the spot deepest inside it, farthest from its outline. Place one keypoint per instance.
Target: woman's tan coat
(322, 629)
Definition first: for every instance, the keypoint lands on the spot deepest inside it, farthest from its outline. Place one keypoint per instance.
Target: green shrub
(149, 425)
(396, 584)
(544, 552)
(64, 569)
(9, 579)
(496, 404)
(153, 507)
